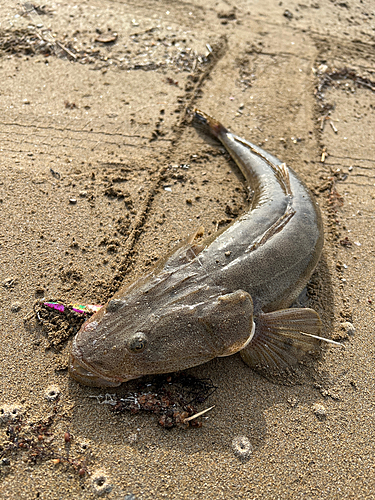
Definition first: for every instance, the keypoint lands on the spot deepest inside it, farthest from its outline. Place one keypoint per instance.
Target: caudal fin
(207, 123)
(283, 338)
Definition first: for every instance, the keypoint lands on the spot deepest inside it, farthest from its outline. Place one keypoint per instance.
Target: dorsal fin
(282, 174)
(194, 236)
(185, 251)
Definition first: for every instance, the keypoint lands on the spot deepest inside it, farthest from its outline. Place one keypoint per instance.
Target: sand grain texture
(101, 174)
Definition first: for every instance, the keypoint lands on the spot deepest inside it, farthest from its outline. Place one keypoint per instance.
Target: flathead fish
(228, 293)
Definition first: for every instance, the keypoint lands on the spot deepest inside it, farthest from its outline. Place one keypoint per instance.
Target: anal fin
(283, 338)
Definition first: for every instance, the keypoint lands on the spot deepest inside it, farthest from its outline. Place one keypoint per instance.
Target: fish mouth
(82, 374)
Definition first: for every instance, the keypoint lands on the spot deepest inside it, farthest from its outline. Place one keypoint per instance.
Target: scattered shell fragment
(288, 14)
(15, 307)
(9, 282)
(133, 438)
(106, 38)
(85, 445)
(52, 392)
(10, 413)
(100, 484)
(348, 327)
(319, 411)
(242, 447)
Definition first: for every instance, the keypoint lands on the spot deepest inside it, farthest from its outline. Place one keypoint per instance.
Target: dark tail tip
(208, 123)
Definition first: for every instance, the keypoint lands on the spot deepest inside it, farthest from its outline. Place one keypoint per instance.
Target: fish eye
(138, 342)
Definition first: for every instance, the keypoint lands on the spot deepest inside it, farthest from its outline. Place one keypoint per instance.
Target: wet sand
(101, 174)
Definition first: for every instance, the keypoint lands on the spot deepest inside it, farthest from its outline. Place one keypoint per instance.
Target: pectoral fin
(228, 321)
(283, 338)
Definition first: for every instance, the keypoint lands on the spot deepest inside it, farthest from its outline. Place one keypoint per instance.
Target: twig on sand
(198, 414)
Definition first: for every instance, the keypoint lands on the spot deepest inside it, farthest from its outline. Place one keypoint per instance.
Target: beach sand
(101, 174)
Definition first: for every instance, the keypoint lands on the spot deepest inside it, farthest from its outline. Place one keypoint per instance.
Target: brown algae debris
(173, 398)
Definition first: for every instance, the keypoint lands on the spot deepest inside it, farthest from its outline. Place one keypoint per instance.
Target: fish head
(159, 327)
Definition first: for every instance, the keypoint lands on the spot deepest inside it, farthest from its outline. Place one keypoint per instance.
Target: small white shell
(242, 447)
(10, 413)
(100, 483)
(52, 392)
(319, 411)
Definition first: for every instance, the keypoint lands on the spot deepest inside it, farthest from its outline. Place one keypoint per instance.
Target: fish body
(220, 295)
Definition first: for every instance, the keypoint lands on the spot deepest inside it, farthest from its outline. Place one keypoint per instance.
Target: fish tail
(208, 123)
(283, 338)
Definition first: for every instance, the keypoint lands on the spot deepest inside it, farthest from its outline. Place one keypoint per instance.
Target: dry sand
(98, 117)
